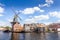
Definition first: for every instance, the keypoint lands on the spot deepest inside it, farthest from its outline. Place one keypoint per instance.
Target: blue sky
(31, 11)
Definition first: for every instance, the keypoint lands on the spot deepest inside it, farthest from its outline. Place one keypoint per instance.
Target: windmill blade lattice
(16, 16)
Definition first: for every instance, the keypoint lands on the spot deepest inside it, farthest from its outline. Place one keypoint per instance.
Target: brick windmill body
(16, 26)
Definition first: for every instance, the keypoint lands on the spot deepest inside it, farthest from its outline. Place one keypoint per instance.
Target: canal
(29, 36)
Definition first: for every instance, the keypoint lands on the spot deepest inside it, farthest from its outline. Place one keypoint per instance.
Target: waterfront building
(54, 27)
(41, 27)
(34, 27)
(17, 28)
(30, 27)
(26, 27)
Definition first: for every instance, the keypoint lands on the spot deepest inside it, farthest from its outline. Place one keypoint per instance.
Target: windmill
(15, 19)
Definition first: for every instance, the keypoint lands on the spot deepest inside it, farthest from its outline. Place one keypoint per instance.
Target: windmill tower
(16, 26)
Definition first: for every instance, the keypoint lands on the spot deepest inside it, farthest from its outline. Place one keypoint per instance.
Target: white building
(26, 27)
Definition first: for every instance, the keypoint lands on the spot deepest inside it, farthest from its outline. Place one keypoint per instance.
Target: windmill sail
(16, 27)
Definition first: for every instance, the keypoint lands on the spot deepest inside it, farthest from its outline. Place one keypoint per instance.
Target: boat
(6, 31)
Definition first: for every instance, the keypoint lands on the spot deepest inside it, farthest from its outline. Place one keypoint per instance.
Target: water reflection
(29, 36)
(52, 36)
(5, 36)
(15, 36)
(22, 36)
(37, 36)
(18, 36)
(34, 36)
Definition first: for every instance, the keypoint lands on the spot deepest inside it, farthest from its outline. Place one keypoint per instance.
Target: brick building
(17, 28)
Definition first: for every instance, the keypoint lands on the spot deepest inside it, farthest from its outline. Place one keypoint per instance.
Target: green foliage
(8, 27)
(1, 26)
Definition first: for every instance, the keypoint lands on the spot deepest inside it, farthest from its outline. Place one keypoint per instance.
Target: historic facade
(17, 28)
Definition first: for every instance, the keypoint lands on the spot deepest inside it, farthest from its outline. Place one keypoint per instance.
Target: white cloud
(1, 9)
(49, 1)
(35, 19)
(55, 14)
(47, 4)
(28, 11)
(31, 10)
(47, 23)
(30, 21)
(38, 9)
(58, 21)
(44, 5)
(1, 14)
(2, 23)
(10, 20)
(51, 22)
(42, 17)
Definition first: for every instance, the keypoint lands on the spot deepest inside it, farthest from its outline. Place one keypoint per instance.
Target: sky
(31, 11)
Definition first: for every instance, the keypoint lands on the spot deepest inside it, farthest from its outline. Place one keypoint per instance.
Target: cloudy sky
(31, 11)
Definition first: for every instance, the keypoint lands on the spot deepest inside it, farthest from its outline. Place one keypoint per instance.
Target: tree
(8, 28)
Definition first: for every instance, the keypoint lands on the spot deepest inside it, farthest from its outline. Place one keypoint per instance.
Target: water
(29, 36)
